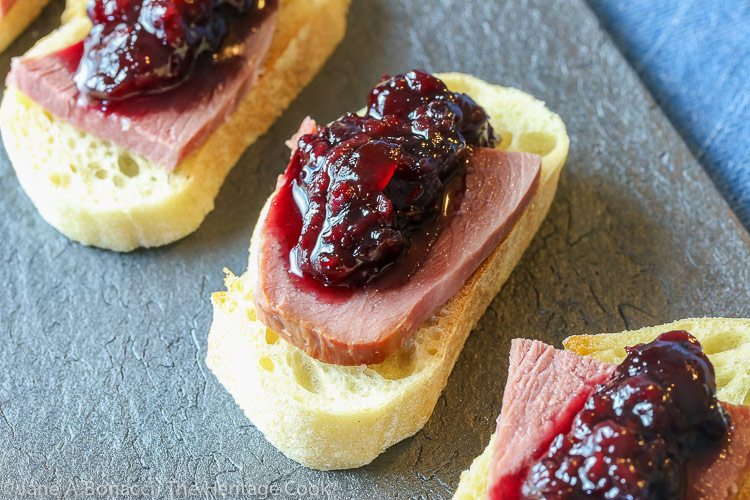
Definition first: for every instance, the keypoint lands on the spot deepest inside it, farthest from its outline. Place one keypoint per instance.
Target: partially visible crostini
(726, 341)
(100, 194)
(15, 17)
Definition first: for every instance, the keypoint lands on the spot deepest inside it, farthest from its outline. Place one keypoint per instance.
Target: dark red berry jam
(366, 188)
(139, 47)
(636, 433)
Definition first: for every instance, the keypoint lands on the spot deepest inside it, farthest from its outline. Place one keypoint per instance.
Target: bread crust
(174, 205)
(17, 19)
(306, 408)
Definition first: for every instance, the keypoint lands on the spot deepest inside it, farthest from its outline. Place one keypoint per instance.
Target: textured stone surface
(102, 374)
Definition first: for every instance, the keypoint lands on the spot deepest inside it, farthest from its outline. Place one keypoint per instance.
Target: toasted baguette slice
(726, 341)
(17, 19)
(337, 417)
(101, 195)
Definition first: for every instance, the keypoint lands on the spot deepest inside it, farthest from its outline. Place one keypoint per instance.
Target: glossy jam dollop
(140, 47)
(636, 433)
(366, 188)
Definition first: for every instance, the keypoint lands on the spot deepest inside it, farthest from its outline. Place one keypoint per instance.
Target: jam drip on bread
(637, 433)
(144, 47)
(365, 189)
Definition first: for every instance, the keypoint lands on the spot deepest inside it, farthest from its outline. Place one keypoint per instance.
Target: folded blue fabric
(694, 56)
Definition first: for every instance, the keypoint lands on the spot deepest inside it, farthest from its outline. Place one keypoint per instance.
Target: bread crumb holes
(128, 166)
(540, 143)
(266, 363)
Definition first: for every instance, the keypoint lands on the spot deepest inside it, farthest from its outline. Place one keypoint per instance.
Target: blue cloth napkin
(694, 56)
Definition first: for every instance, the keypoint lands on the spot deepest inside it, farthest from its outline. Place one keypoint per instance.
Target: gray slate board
(102, 373)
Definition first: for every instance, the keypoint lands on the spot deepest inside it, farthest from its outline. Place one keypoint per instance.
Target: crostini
(15, 17)
(385, 241)
(123, 124)
(628, 415)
